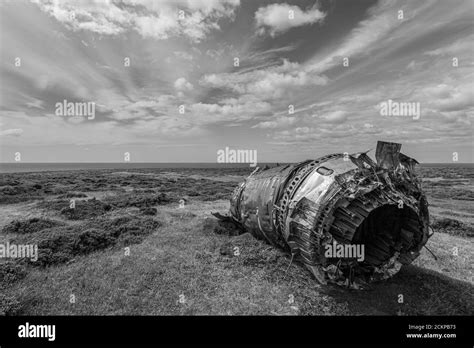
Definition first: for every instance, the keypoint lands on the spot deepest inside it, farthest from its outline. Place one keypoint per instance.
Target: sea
(22, 167)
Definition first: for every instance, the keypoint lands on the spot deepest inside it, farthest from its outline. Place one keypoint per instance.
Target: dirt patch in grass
(226, 228)
(453, 227)
(233, 246)
(28, 226)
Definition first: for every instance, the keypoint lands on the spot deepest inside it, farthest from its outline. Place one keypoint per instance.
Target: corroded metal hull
(316, 206)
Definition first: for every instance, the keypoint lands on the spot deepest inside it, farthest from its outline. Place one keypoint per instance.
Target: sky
(177, 81)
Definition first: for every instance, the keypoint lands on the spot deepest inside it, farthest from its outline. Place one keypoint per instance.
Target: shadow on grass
(425, 292)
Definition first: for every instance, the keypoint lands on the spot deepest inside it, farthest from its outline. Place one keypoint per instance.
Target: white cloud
(270, 83)
(279, 18)
(11, 132)
(278, 122)
(183, 55)
(449, 98)
(381, 21)
(160, 27)
(456, 47)
(182, 85)
(227, 111)
(215, 54)
(338, 116)
(388, 59)
(163, 18)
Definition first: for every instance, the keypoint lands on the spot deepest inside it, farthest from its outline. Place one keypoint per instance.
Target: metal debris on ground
(339, 202)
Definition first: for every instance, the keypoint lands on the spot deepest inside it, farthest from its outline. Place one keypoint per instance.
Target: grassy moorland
(129, 247)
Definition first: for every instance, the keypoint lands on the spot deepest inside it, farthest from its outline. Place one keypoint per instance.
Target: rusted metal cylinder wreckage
(349, 219)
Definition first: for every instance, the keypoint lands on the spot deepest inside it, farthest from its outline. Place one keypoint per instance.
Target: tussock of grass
(12, 190)
(83, 209)
(86, 209)
(22, 187)
(148, 211)
(73, 195)
(444, 192)
(128, 230)
(15, 194)
(28, 226)
(9, 305)
(61, 244)
(10, 272)
(453, 227)
(194, 254)
(138, 200)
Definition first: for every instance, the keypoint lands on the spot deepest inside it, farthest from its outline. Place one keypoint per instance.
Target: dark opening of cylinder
(386, 230)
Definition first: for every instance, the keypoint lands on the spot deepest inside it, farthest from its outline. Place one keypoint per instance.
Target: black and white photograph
(300, 160)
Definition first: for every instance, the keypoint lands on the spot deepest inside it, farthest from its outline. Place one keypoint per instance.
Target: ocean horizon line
(216, 163)
(26, 167)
